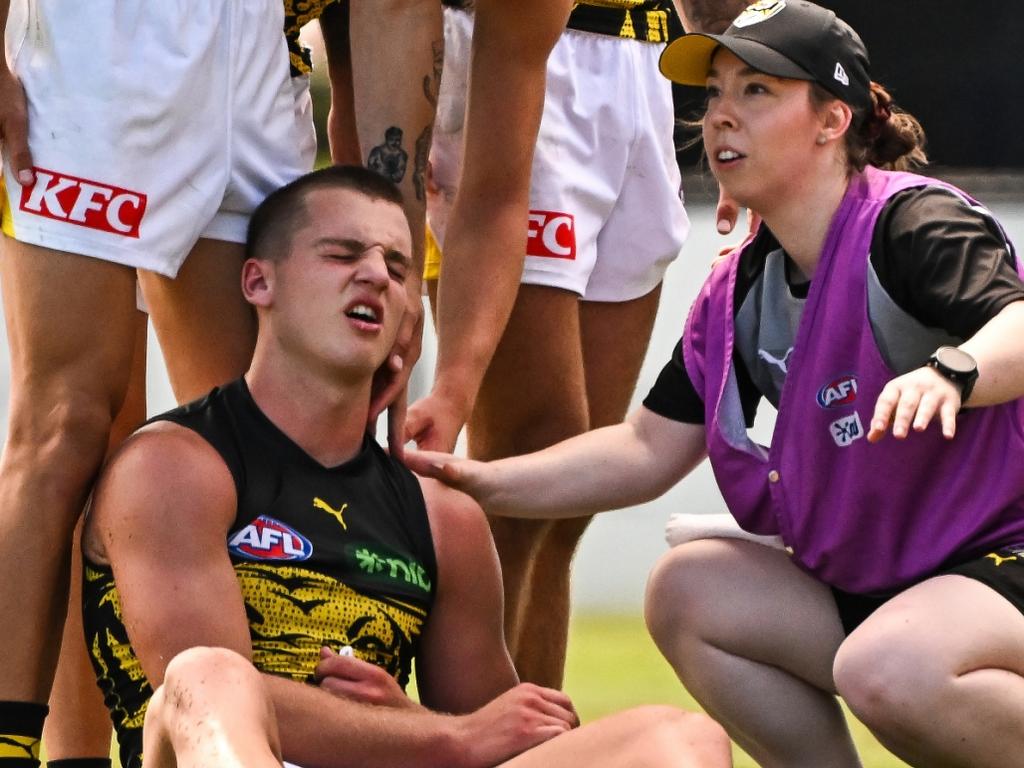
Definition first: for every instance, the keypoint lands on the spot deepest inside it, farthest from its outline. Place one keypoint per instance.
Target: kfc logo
(85, 203)
(551, 235)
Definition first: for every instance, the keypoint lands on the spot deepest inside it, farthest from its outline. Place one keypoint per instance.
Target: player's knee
(885, 677)
(665, 730)
(196, 668)
(564, 536)
(58, 425)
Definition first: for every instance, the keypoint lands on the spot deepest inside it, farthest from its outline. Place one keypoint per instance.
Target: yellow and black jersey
(298, 13)
(339, 556)
(644, 20)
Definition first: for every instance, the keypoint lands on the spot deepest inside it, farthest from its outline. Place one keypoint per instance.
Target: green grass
(613, 665)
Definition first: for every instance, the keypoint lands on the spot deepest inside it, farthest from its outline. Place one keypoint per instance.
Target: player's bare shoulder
(163, 473)
(457, 522)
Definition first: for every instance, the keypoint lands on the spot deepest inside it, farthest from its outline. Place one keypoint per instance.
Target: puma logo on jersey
(781, 362)
(335, 513)
(1000, 560)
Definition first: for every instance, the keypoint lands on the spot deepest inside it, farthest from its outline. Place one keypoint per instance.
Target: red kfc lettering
(84, 203)
(551, 234)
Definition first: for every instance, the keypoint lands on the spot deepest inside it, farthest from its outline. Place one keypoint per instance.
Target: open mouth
(728, 156)
(364, 313)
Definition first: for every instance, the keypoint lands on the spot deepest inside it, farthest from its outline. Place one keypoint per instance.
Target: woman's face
(759, 132)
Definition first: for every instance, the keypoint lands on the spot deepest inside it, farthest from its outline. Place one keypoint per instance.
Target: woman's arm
(608, 468)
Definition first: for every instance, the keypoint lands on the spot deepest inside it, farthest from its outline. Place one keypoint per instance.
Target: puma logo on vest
(781, 362)
(335, 513)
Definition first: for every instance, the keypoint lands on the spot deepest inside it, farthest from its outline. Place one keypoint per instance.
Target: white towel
(682, 528)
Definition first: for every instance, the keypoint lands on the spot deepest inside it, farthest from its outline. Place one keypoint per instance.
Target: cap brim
(688, 59)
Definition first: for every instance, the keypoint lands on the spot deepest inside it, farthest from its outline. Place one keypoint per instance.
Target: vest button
(773, 476)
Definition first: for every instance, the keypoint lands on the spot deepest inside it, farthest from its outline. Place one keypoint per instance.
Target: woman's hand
(911, 401)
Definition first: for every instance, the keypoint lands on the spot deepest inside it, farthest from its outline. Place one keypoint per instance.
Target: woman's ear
(836, 118)
(258, 282)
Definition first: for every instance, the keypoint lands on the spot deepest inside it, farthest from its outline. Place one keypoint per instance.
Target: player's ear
(258, 282)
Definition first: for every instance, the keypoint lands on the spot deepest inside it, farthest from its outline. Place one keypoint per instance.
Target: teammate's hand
(391, 379)
(14, 126)
(519, 719)
(912, 401)
(434, 422)
(726, 216)
(359, 680)
(466, 475)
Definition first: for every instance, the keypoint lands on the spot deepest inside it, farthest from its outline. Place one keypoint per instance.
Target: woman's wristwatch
(957, 366)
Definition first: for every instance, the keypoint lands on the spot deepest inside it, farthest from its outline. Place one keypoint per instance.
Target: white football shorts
(152, 124)
(606, 213)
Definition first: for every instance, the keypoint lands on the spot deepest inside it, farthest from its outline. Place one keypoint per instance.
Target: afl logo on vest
(268, 539)
(841, 391)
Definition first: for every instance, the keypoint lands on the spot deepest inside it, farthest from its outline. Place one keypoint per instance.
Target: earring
(820, 141)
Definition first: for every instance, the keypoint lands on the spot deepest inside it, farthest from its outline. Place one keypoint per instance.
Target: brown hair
(887, 137)
(284, 210)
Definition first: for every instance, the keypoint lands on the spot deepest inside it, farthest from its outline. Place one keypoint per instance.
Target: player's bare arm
(13, 115)
(463, 662)
(484, 245)
(608, 468)
(342, 137)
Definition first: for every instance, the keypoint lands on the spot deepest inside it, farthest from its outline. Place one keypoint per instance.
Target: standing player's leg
(533, 395)
(611, 367)
(70, 327)
(205, 329)
(78, 726)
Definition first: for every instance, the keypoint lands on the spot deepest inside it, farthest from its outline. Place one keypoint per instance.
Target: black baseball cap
(785, 38)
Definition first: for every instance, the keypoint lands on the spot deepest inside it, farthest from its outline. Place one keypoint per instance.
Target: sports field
(613, 664)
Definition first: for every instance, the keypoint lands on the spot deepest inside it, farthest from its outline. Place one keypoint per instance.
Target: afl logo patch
(758, 12)
(268, 539)
(839, 392)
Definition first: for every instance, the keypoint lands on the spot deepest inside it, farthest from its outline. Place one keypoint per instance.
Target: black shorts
(1002, 570)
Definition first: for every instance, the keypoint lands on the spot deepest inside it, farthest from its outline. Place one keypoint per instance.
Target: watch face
(956, 360)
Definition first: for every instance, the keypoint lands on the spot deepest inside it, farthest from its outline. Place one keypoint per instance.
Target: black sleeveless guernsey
(339, 556)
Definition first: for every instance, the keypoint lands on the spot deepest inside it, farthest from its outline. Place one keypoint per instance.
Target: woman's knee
(677, 590)
(885, 676)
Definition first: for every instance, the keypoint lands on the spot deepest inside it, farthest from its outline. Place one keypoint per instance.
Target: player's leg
(611, 370)
(205, 328)
(752, 638)
(645, 737)
(70, 327)
(533, 395)
(212, 710)
(78, 726)
(936, 674)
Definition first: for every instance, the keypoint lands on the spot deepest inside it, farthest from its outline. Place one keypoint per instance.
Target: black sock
(21, 729)
(79, 762)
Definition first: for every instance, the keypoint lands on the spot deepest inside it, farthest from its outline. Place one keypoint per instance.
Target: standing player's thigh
(70, 326)
(615, 336)
(533, 393)
(125, 172)
(205, 327)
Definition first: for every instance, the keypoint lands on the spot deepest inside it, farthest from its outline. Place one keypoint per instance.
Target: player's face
(340, 294)
(759, 131)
